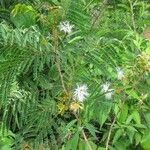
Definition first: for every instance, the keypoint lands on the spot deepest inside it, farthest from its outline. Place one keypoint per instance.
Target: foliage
(75, 74)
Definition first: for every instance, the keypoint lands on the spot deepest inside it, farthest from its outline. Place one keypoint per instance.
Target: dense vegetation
(74, 75)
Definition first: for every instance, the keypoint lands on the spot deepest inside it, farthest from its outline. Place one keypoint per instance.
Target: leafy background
(41, 66)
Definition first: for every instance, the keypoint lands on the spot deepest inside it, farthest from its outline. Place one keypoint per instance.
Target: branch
(60, 74)
(111, 127)
(86, 140)
(83, 133)
(109, 133)
(55, 47)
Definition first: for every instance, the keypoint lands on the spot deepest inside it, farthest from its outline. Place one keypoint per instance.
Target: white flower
(109, 94)
(105, 87)
(120, 73)
(80, 93)
(65, 27)
(106, 91)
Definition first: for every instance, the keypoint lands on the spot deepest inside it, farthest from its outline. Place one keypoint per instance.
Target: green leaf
(123, 115)
(121, 144)
(136, 117)
(23, 16)
(6, 140)
(145, 143)
(132, 94)
(129, 119)
(70, 124)
(84, 146)
(137, 138)
(65, 4)
(101, 148)
(75, 39)
(91, 129)
(147, 118)
(104, 113)
(131, 132)
(117, 135)
(73, 142)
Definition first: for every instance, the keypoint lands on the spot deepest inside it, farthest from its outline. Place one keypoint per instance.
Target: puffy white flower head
(105, 87)
(80, 93)
(65, 27)
(120, 73)
(107, 92)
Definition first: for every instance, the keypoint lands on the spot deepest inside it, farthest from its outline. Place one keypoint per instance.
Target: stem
(111, 127)
(86, 140)
(109, 133)
(83, 133)
(60, 74)
(55, 48)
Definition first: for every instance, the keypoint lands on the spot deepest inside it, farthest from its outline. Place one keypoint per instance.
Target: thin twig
(86, 140)
(83, 133)
(111, 127)
(109, 133)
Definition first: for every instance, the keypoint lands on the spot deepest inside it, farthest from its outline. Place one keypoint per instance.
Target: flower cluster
(81, 92)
